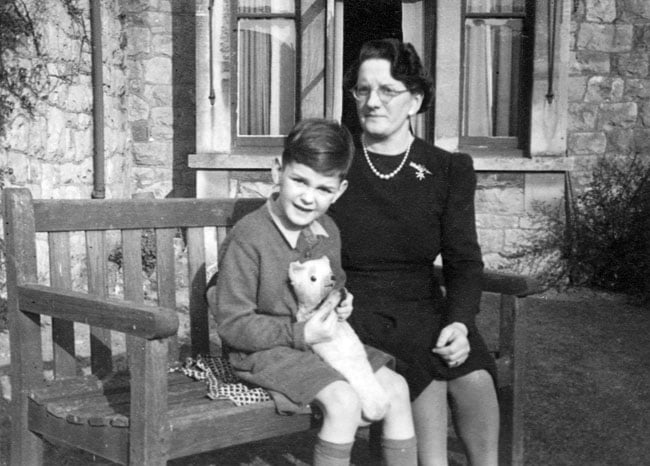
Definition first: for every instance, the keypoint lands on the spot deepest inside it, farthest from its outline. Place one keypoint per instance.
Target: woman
(408, 202)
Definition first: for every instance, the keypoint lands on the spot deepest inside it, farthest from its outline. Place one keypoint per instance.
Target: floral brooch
(420, 170)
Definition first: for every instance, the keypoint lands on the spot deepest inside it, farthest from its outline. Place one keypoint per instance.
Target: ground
(586, 403)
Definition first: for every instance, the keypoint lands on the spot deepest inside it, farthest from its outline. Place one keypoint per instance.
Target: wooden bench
(147, 415)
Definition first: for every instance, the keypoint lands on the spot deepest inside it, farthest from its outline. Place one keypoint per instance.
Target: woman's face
(384, 117)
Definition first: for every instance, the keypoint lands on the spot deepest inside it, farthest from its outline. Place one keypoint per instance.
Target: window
(495, 73)
(266, 71)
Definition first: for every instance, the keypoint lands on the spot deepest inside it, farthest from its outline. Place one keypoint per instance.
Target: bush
(608, 240)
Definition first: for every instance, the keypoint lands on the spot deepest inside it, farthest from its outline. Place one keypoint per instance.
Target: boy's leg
(341, 417)
(476, 415)
(398, 443)
(430, 416)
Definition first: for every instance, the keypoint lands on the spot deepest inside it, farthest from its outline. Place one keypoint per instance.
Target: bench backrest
(150, 251)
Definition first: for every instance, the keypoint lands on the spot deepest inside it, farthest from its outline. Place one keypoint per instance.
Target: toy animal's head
(312, 281)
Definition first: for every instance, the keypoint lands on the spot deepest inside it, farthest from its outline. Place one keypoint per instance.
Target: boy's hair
(325, 146)
(405, 66)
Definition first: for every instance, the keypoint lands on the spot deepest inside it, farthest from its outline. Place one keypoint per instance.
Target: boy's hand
(321, 326)
(452, 345)
(344, 309)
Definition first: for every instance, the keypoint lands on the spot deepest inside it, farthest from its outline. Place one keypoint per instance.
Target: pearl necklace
(387, 176)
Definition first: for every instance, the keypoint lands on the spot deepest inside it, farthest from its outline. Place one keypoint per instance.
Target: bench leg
(511, 435)
(26, 446)
(148, 436)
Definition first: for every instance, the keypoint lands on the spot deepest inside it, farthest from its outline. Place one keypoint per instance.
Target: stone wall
(148, 58)
(609, 106)
(51, 151)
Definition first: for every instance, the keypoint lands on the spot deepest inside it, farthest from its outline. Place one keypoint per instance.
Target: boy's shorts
(298, 376)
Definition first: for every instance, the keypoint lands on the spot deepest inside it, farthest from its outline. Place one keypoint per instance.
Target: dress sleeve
(461, 253)
(240, 323)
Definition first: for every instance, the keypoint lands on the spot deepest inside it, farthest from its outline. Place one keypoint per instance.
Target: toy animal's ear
(295, 268)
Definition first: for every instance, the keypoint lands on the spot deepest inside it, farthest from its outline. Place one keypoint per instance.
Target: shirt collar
(292, 235)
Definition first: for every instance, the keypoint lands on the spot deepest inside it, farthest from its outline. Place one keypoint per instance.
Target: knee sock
(331, 454)
(399, 452)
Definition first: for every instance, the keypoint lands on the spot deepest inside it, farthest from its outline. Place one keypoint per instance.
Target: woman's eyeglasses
(385, 93)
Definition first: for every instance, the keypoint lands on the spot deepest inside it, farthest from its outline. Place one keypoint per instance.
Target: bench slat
(100, 339)
(65, 364)
(199, 319)
(116, 214)
(166, 278)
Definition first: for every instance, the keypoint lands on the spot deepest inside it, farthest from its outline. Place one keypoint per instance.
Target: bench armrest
(503, 283)
(149, 322)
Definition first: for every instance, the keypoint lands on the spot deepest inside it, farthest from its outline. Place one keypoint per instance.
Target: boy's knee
(396, 386)
(340, 398)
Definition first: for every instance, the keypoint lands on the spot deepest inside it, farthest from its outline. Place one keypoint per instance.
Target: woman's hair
(325, 146)
(405, 66)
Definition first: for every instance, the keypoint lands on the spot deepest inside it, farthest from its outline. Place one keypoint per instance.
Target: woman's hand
(321, 326)
(452, 345)
(344, 309)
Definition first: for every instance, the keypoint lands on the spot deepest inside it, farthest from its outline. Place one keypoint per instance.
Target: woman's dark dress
(391, 232)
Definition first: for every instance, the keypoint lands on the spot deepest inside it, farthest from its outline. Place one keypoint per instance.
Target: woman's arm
(461, 253)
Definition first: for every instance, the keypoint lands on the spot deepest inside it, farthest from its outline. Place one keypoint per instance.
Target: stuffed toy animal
(313, 284)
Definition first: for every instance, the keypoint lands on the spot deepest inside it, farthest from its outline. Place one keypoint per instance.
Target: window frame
(501, 143)
(256, 143)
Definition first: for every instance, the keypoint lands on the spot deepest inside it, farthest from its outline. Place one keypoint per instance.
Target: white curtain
(266, 75)
(488, 72)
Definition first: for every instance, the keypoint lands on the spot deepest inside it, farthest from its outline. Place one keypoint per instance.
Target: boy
(255, 308)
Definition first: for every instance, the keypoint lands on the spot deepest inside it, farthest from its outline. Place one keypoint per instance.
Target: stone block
(642, 37)
(158, 22)
(80, 98)
(487, 220)
(137, 108)
(162, 44)
(577, 88)
(587, 143)
(155, 180)
(635, 10)
(153, 154)
(162, 116)
(158, 70)
(254, 189)
(499, 179)
(582, 117)
(494, 261)
(138, 41)
(588, 62)
(17, 135)
(644, 114)
(620, 141)
(621, 115)
(604, 89)
(637, 89)
(159, 95)
(634, 65)
(20, 163)
(82, 144)
(544, 192)
(491, 241)
(140, 131)
(600, 11)
(642, 140)
(500, 200)
(605, 37)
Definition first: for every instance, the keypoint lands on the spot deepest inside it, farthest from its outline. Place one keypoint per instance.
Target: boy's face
(304, 194)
